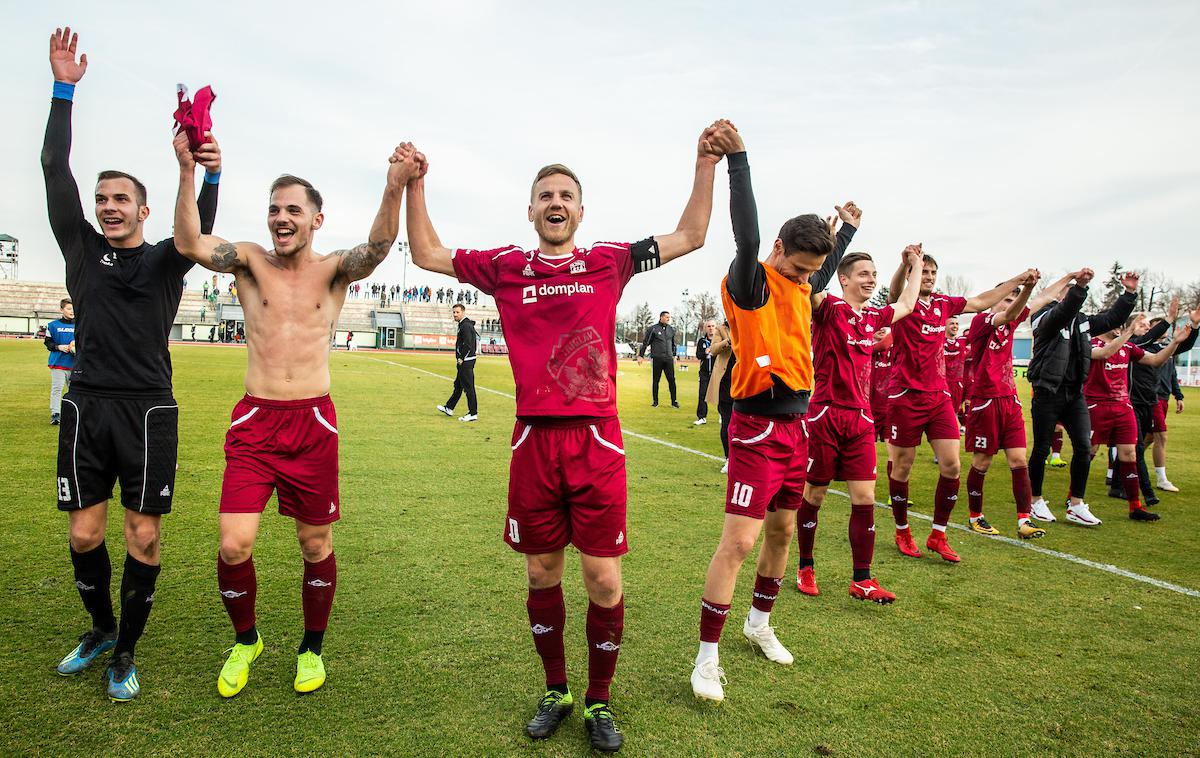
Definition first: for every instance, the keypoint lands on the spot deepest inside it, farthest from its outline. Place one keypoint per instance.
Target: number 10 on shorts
(742, 493)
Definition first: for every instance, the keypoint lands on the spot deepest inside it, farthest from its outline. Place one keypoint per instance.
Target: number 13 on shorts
(742, 493)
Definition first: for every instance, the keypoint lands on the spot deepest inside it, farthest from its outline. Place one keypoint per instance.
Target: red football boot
(806, 581)
(870, 590)
(904, 541)
(938, 544)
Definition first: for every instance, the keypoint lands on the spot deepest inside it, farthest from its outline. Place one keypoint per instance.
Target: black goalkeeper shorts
(103, 439)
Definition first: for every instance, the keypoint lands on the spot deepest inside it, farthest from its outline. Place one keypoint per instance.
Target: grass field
(1011, 652)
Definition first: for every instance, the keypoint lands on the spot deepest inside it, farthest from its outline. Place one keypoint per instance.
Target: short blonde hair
(551, 170)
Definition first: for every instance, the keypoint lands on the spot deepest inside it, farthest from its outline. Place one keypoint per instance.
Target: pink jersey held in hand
(192, 116)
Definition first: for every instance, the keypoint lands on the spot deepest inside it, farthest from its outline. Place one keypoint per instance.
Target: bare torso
(292, 309)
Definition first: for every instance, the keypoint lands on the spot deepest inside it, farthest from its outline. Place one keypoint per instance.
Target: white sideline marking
(1107, 567)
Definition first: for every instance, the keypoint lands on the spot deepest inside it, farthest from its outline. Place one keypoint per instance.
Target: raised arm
(426, 247)
(1121, 309)
(985, 300)
(359, 261)
(908, 300)
(191, 241)
(851, 218)
(1185, 339)
(745, 273)
(1114, 344)
(1064, 311)
(1013, 312)
(62, 193)
(692, 228)
(1051, 292)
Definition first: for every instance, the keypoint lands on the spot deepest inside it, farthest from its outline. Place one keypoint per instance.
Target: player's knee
(735, 549)
(234, 549)
(141, 538)
(950, 467)
(316, 547)
(86, 536)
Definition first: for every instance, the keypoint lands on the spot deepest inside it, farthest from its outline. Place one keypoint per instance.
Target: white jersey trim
(602, 441)
(766, 433)
(321, 420)
(237, 421)
(74, 445)
(524, 434)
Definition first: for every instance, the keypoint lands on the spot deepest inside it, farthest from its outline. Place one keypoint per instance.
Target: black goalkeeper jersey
(125, 299)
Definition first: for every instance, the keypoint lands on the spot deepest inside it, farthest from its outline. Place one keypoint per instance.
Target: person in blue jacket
(60, 341)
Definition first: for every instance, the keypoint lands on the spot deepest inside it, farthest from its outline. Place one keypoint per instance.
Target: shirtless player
(283, 434)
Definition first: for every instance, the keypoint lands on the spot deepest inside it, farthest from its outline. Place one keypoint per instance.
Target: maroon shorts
(912, 412)
(841, 445)
(767, 458)
(956, 394)
(566, 485)
(880, 414)
(1158, 420)
(994, 424)
(1113, 423)
(288, 446)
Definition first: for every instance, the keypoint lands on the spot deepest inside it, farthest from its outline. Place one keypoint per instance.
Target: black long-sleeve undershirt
(125, 298)
(747, 283)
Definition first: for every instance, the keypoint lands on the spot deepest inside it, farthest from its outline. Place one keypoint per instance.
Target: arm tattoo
(359, 261)
(224, 257)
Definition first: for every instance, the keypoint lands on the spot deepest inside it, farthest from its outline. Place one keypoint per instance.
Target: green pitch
(429, 653)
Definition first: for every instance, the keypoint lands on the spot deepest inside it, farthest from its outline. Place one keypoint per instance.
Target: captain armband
(645, 255)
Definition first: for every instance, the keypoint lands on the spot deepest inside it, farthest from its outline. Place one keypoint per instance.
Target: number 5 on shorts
(741, 495)
(513, 533)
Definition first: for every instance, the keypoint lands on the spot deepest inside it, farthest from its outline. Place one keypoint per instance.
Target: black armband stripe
(645, 255)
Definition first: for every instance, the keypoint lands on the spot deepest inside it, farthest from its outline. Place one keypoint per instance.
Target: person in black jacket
(660, 339)
(1168, 387)
(1143, 389)
(706, 367)
(1057, 370)
(466, 346)
(120, 420)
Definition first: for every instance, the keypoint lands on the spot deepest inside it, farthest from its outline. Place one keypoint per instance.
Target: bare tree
(956, 285)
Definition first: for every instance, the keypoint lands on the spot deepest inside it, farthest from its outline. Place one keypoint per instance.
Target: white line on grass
(1107, 567)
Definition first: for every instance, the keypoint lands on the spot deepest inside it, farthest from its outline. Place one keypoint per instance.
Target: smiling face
(67, 310)
(292, 219)
(951, 328)
(120, 211)
(929, 272)
(556, 209)
(858, 284)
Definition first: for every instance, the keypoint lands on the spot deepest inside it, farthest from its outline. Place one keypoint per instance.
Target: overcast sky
(1002, 135)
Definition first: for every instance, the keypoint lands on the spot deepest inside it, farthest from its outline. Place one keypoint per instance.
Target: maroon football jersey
(842, 342)
(918, 361)
(991, 349)
(1109, 379)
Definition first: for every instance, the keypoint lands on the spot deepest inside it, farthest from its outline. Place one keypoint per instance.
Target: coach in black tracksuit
(465, 347)
(706, 366)
(1057, 370)
(660, 339)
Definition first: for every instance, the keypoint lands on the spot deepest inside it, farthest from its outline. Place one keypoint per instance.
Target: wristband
(64, 91)
(211, 178)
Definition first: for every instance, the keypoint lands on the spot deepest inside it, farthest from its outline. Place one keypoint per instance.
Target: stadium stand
(25, 306)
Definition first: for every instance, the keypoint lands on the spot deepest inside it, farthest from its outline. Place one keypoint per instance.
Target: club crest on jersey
(579, 364)
(578, 267)
(937, 311)
(528, 271)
